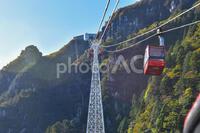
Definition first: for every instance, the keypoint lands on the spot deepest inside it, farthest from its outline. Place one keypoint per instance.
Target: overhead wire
(180, 27)
(154, 29)
(166, 31)
(103, 17)
(135, 44)
(110, 19)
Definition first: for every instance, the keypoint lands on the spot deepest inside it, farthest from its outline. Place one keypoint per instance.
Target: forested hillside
(168, 98)
(163, 105)
(33, 97)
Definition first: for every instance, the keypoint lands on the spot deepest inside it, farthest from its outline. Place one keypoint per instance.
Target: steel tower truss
(95, 122)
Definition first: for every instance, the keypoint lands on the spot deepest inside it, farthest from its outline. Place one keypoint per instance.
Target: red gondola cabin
(154, 60)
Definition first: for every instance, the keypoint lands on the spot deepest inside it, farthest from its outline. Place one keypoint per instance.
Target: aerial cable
(110, 19)
(103, 17)
(166, 31)
(179, 15)
(180, 27)
(154, 29)
(135, 44)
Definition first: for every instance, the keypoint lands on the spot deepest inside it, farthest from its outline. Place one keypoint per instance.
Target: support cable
(166, 31)
(103, 17)
(110, 19)
(154, 29)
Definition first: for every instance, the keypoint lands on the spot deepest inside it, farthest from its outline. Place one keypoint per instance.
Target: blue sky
(48, 24)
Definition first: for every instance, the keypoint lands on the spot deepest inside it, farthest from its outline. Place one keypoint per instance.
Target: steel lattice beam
(95, 122)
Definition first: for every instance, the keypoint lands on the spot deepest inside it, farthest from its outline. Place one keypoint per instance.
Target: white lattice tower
(95, 122)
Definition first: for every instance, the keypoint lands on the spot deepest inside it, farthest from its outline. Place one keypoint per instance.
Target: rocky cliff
(32, 97)
(131, 19)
